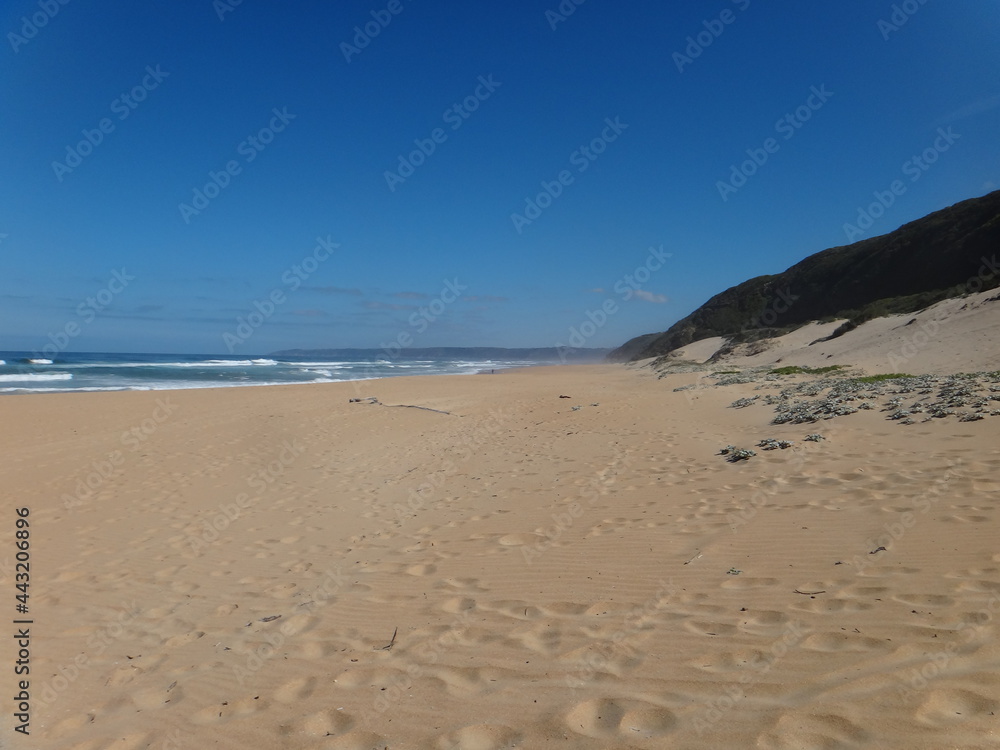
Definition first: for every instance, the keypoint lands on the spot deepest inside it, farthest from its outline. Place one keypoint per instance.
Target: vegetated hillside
(945, 254)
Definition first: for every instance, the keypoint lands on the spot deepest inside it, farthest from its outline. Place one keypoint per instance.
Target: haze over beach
(624, 376)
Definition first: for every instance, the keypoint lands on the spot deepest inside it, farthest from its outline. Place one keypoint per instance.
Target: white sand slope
(956, 335)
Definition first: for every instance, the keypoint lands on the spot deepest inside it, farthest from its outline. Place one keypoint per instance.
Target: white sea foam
(325, 364)
(39, 361)
(34, 377)
(202, 363)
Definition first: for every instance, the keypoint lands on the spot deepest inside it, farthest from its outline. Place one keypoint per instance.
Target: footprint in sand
(158, 697)
(281, 590)
(564, 609)
(481, 737)
(70, 725)
(464, 585)
(603, 718)
(459, 604)
(822, 605)
(313, 650)
(841, 642)
(225, 711)
(925, 600)
(947, 706)
(980, 587)
(182, 587)
(133, 741)
(604, 657)
(359, 739)
(520, 540)
(813, 732)
(295, 690)
(765, 622)
(543, 638)
(67, 575)
(421, 569)
(180, 640)
(703, 627)
(328, 723)
(728, 661)
(516, 608)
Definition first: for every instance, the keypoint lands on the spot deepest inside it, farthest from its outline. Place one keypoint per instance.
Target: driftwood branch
(373, 400)
(425, 408)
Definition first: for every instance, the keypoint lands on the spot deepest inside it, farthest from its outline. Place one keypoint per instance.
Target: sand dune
(956, 335)
(280, 568)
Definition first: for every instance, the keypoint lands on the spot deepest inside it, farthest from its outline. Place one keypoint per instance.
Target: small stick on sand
(425, 408)
(391, 643)
(809, 593)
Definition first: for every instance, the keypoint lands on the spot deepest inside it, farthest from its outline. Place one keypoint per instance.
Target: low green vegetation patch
(881, 378)
(796, 370)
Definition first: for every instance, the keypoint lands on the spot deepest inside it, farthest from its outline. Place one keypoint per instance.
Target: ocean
(23, 372)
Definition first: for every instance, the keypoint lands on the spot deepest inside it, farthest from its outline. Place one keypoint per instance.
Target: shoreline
(19, 391)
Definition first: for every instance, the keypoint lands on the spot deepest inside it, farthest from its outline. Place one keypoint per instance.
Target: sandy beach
(281, 567)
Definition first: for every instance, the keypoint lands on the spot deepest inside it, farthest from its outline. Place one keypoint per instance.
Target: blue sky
(441, 247)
